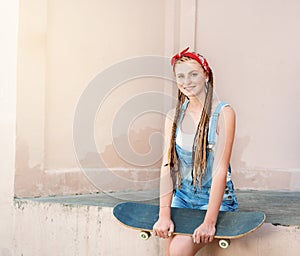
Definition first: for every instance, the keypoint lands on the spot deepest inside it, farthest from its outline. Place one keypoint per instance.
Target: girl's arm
(226, 127)
(164, 226)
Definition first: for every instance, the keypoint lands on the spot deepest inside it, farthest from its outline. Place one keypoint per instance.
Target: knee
(183, 246)
(175, 251)
(179, 249)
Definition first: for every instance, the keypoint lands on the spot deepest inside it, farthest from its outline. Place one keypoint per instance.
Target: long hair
(200, 140)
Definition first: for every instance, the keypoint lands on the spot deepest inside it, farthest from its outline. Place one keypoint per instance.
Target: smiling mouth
(188, 87)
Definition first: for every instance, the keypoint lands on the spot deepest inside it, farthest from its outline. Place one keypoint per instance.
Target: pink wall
(252, 49)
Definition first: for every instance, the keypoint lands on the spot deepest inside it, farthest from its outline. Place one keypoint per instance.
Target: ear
(206, 76)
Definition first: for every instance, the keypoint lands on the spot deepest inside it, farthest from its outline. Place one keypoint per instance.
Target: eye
(180, 76)
(194, 74)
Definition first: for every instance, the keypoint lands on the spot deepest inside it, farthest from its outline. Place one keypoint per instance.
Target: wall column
(8, 65)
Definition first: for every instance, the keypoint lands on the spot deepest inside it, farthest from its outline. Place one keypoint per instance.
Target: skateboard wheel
(223, 243)
(144, 235)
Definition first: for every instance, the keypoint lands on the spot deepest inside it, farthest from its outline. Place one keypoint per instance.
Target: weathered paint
(43, 228)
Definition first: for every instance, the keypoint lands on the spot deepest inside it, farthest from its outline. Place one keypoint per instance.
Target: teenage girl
(195, 171)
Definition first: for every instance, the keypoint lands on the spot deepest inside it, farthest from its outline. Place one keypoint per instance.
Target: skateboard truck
(223, 243)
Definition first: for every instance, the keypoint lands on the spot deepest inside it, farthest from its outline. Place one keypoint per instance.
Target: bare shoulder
(227, 118)
(228, 112)
(168, 125)
(171, 113)
(170, 117)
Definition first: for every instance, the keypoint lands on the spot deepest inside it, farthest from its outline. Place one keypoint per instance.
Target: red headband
(197, 57)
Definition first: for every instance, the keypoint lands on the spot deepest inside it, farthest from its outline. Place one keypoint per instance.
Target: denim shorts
(186, 197)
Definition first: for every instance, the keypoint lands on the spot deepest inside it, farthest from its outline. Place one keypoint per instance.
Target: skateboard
(230, 225)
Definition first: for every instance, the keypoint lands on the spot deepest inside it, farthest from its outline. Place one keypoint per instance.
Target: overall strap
(213, 124)
(183, 108)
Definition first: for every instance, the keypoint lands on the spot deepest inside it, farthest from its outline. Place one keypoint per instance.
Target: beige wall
(253, 47)
(64, 45)
(8, 67)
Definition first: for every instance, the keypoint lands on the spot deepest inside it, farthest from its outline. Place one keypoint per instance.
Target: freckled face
(190, 78)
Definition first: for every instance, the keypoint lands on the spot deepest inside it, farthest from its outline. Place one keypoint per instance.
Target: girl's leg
(182, 246)
(167, 245)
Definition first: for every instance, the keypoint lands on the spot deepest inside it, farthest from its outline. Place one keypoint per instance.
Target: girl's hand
(163, 228)
(204, 233)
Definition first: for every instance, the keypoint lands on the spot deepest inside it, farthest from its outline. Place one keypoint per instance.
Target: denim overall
(187, 197)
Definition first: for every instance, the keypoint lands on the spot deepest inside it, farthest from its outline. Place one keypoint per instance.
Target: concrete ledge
(281, 207)
(84, 225)
(47, 228)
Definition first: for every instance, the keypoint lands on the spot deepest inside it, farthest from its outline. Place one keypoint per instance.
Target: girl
(199, 139)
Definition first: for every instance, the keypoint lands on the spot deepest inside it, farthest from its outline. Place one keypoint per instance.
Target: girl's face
(190, 78)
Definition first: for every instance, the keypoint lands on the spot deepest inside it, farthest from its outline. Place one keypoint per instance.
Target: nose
(187, 81)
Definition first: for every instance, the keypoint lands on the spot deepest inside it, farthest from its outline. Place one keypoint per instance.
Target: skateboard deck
(230, 225)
